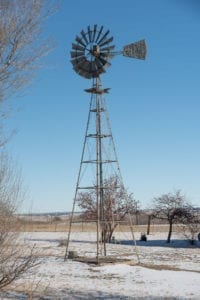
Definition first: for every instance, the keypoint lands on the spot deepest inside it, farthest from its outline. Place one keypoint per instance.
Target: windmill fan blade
(106, 42)
(136, 50)
(82, 67)
(98, 63)
(100, 70)
(103, 37)
(99, 67)
(86, 75)
(99, 34)
(107, 55)
(87, 69)
(86, 66)
(79, 40)
(84, 36)
(83, 73)
(77, 47)
(75, 54)
(93, 66)
(94, 32)
(89, 34)
(104, 62)
(78, 61)
(108, 49)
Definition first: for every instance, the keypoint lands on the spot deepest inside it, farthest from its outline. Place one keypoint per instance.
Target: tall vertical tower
(100, 198)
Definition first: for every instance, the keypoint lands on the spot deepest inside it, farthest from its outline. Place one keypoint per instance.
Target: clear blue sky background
(154, 105)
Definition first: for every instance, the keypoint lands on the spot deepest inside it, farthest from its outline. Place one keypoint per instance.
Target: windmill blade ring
(91, 52)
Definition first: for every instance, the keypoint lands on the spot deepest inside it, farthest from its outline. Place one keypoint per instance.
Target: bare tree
(15, 256)
(190, 224)
(171, 207)
(21, 48)
(21, 45)
(117, 203)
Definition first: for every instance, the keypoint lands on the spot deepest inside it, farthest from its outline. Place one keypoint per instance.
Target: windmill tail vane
(136, 50)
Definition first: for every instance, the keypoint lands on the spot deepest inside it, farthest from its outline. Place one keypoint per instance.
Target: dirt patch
(102, 260)
(164, 267)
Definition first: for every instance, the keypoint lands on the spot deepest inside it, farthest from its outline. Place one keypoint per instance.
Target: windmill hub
(95, 51)
(92, 52)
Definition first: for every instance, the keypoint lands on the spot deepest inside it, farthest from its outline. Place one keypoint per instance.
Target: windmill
(91, 54)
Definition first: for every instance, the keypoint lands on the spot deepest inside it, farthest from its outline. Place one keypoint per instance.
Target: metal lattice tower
(90, 56)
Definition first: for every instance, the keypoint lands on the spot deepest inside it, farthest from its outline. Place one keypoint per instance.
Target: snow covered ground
(154, 269)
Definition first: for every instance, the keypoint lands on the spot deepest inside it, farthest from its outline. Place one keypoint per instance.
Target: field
(151, 270)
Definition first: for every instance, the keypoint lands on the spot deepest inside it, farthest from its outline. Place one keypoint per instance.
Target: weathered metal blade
(105, 42)
(84, 37)
(106, 55)
(93, 66)
(99, 34)
(80, 41)
(94, 33)
(89, 34)
(81, 67)
(75, 54)
(103, 37)
(99, 67)
(108, 49)
(98, 63)
(77, 61)
(86, 66)
(89, 69)
(136, 50)
(83, 73)
(104, 62)
(78, 47)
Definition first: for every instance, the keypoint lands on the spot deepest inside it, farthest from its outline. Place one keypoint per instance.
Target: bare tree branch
(21, 45)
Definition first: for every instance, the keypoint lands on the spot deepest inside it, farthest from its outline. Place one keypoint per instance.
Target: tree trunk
(107, 233)
(149, 225)
(170, 231)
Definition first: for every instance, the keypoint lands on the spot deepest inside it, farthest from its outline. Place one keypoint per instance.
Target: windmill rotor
(91, 52)
(93, 49)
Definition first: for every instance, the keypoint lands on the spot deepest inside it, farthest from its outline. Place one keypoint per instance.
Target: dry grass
(36, 226)
(53, 225)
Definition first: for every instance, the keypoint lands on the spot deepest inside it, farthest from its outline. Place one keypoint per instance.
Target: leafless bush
(11, 194)
(191, 224)
(15, 257)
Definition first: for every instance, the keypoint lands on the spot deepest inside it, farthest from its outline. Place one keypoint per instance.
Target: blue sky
(154, 105)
